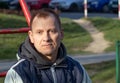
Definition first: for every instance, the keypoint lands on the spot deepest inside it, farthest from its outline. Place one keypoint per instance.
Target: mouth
(47, 45)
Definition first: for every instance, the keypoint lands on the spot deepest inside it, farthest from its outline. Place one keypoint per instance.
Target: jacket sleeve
(86, 78)
(12, 77)
(84, 75)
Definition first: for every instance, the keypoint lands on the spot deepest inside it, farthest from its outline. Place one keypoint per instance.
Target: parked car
(99, 5)
(38, 4)
(73, 5)
(113, 6)
(32, 4)
(4, 3)
(14, 4)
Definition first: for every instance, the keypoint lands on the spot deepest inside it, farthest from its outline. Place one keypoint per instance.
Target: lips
(47, 45)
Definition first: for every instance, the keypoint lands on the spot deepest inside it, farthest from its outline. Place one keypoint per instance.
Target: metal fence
(118, 62)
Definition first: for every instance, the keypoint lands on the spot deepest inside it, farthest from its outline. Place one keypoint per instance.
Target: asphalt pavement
(83, 59)
(77, 15)
(94, 58)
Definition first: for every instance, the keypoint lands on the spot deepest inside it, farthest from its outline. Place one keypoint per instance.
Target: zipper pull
(54, 64)
(53, 72)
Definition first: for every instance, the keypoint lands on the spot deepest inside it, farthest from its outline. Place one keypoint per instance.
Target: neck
(52, 57)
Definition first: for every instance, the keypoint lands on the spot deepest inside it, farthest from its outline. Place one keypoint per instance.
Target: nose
(46, 37)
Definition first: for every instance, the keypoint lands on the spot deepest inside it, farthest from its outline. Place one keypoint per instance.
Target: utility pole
(119, 9)
(85, 9)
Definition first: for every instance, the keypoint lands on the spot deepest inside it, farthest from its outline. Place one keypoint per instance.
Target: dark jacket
(32, 67)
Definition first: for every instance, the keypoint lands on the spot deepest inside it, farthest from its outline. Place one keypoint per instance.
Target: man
(43, 57)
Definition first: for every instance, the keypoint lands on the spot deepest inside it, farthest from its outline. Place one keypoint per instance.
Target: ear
(30, 34)
(62, 34)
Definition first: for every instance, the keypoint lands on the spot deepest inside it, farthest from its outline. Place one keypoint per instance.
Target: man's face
(46, 36)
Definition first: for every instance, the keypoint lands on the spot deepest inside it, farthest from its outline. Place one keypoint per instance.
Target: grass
(103, 72)
(110, 27)
(75, 37)
(12, 21)
(9, 45)
(2, 80)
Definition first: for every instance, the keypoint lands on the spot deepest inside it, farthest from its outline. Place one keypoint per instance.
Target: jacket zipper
(52, 68)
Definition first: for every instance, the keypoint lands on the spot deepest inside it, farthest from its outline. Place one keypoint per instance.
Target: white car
(14, 4)
(73, 5)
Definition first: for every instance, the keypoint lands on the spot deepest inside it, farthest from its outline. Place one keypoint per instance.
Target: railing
(12, 31)
(3, 74)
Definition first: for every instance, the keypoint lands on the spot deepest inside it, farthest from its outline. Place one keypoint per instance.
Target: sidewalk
(6, 64)
(99, 44)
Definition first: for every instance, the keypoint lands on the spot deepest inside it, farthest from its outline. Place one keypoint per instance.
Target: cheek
(36, 40)
(57, 38)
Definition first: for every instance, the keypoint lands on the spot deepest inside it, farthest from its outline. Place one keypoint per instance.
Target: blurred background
(104, 6)
(81, 20)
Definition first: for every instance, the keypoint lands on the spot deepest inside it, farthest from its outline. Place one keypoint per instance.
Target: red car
(37, 4)
(32, 4)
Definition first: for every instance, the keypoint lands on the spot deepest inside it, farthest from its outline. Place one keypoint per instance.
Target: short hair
(44, 13)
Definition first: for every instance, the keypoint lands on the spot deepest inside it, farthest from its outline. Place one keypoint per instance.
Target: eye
(39, 32)
(53, 31)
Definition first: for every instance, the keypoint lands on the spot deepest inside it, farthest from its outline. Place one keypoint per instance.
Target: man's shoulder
(70, 59)
(73, 62)
(20, 63)
(23, 66)
(76, 67)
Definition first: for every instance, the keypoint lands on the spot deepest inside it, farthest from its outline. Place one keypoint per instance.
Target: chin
(47, 52)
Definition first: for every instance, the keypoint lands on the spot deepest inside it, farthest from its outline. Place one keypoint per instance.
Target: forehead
(50, 17)
(48, 22)
(47, 19)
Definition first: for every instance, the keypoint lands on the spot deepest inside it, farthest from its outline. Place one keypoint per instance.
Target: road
(96, 58)
(83, 59)
(81, 15)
